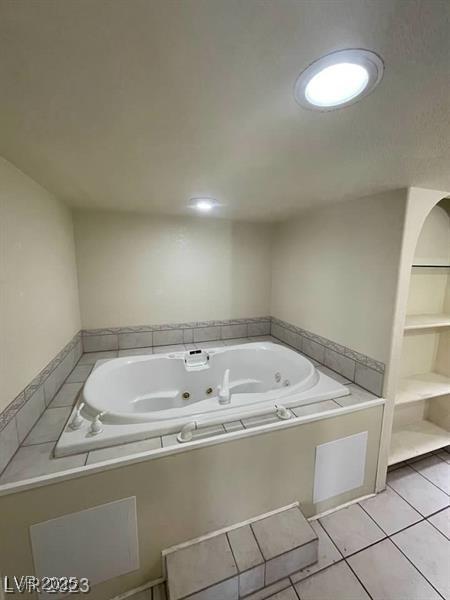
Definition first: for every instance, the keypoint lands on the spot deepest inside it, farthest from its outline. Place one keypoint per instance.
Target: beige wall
(335, 271)
(39, 310)
(185, 495)
(136, 269)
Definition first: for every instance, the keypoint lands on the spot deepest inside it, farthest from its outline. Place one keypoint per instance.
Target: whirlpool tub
(133, 398)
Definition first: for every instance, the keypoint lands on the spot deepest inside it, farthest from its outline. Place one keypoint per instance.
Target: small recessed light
(203, 204)
(338, 79)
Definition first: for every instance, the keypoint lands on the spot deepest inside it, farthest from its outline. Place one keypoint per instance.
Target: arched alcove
(421, 420)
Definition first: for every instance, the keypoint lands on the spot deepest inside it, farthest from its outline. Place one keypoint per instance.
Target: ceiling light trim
(367, 59)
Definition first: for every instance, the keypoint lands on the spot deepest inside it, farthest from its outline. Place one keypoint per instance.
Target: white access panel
(98, 543)
(340, 466)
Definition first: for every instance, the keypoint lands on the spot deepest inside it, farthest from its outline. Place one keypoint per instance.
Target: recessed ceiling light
(338, 79)
(202, 204)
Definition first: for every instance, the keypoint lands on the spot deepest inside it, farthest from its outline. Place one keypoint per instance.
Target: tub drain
(186, 395)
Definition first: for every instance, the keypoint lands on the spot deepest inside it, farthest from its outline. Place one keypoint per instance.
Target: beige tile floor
(395, 546)
(34, 457)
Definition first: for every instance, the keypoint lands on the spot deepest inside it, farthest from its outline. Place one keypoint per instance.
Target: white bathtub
(145, 396)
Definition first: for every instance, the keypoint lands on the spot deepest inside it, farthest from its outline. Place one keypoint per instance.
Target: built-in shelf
(426, 321)
(416, 439)
(431, 266)
(421, 387)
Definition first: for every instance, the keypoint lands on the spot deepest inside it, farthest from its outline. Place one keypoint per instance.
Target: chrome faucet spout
(224, 389)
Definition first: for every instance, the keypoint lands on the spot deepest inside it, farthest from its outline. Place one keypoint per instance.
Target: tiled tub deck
(34, 458)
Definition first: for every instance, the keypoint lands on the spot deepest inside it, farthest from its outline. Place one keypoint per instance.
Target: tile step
(241, 561)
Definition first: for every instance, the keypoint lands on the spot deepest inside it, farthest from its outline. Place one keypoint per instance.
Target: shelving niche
(422, 405)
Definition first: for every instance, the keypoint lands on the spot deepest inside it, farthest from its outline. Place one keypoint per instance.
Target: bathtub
(133, 398)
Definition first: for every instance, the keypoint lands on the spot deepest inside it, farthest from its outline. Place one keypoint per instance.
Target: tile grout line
(389, 537)
(332, 565)
(425, 477)
(231, 549)
(435, 453)
(433, 525)
(361, 549)
(403, 498)
(2, 472)
(320, 570)
(407, 501)
(424, 517)
(259, 548)
(238, 572)
(416, 568)
(332, 541)
(395, 532)
(295, 591)
(372, 519)
(354, 573)
(59, 435)
(41, 444)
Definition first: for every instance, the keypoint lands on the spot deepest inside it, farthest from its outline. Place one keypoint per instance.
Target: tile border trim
(11, 410)
(170, 326)
(326, 343)
(363, 359)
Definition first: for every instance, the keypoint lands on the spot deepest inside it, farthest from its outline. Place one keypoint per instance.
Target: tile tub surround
(342, 363)
(29, 405)
(169, 334)
(353, 366)
(19, 417)
(34, 463)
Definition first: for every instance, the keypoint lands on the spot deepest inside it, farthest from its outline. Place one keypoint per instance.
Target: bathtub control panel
(196, 359)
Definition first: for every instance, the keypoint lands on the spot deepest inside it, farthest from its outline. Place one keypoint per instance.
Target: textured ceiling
(141, 104)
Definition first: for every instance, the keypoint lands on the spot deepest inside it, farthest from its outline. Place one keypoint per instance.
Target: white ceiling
(141, 104)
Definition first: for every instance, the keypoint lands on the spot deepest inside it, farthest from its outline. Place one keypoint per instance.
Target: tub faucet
(185, 434)
(96, 425)
(77, 420)
(224, 389)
